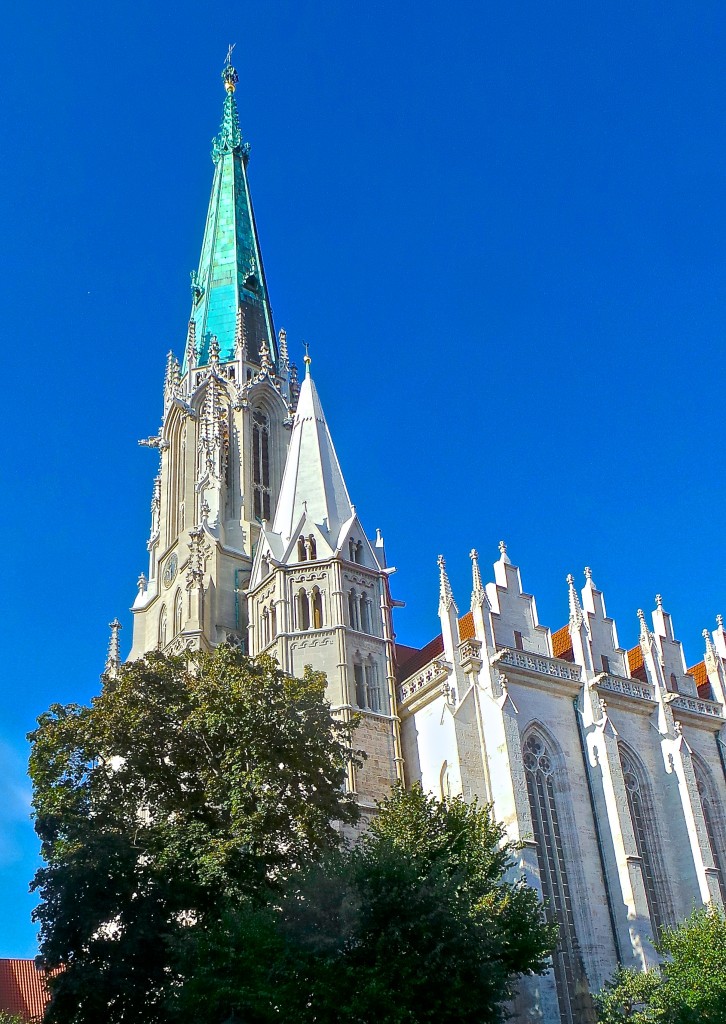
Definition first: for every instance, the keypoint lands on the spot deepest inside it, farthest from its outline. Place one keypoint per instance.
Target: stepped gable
(23, 989)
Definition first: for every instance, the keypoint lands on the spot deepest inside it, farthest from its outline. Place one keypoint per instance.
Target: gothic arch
(713, 817)
(178, 612)
(559, 860)
(175, 432)
(648, 839)
(163, 628)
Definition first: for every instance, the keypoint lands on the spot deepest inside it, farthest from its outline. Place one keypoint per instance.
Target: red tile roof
(700, 677)
(435, 647)
(562, 644)
(23, 989)
(636, 663)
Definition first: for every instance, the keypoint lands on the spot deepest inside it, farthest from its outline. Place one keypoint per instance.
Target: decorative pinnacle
(719, 621)
(141, 582)
(477, 588)
(240, 340)
(576, 616)
(445, 593)
(307, 359)
(644, 631)
(588, 572)
(282, 343)
(113, 658)
(658, 601)
(265, 363)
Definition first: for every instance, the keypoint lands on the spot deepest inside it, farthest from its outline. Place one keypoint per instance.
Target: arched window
(445, 782)
(711, 817)
(674, 682)
(303, 609)
(373, 690)
(162, 628)
(178, 613)
(360, 690)
(261, 464)
(311, 547)
(265, 629)
(351, 549)
(641, 815)
(366, 618)
(572, 985)
(354, 609)
(301, 552)
(316, 602)
(358, 552)
(273, 620)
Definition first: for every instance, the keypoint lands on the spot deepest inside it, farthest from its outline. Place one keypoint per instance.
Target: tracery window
(178, 612)
(162, 628)
(572, 986)
(261, 464)
(711, 818)
(641, 815)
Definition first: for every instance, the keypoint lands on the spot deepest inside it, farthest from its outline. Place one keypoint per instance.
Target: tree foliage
(689, 988)
(188, 785)
(415, 924)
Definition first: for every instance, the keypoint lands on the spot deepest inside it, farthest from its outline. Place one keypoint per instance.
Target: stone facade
(606, 765)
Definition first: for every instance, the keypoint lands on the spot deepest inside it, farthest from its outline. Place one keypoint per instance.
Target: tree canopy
(689, 988)
(189, 784)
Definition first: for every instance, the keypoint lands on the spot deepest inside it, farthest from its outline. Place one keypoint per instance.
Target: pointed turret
(312, 481)
(230, 278)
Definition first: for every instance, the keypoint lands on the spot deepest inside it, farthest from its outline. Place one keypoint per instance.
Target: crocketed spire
(446, 596)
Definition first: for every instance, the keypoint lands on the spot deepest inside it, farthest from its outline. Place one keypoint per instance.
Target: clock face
(170, 570)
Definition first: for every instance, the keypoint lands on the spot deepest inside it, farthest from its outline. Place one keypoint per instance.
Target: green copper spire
(229, 288)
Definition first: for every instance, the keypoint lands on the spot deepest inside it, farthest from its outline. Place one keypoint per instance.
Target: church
(606, 765)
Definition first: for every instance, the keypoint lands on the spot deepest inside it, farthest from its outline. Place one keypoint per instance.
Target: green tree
(417, 923)
(189, 785)
(10, 1018)
(689, 988)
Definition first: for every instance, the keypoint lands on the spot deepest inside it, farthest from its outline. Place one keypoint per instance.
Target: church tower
(224, 430)
(254, 539)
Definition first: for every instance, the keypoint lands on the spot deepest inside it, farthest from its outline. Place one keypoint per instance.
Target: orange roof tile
(700, 677)
(562, 643)
(23, 989)
(636, 663)
(418, 658)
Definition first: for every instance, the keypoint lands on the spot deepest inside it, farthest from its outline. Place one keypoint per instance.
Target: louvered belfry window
(261, 464)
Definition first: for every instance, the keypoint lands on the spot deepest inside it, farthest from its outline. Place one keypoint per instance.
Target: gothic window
(366, 618)
(445, 782)
(641, 815)
(711, 818)
(316, 606)
(265, 629)
(605, 663)
(301, 552)
(273, 620)
(518, 641)
(351, 549)
(354, 609)
(303, 609)
(261, 464)
(674, 682)
(358, 552)
(311, 548)
(373, 690)
(162, 628)
(178, 612)
(360, 692)
(570, 979)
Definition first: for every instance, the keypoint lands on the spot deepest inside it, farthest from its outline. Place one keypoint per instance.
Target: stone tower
(254, 539)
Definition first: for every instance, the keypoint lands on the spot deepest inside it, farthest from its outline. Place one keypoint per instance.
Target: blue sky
(500, 227)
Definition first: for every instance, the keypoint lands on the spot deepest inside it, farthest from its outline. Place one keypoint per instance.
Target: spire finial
(719, 621)
(445, 593)
(576, 616)
(644, 631)
(658, 601)
(307, 359)
(113, 658)
(477, 587)
(229, 74)
(503, 556)
(588, 572)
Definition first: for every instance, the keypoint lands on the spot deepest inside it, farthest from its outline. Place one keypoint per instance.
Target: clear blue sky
(500, 227)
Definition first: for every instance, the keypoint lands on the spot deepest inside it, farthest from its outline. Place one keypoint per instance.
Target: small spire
(240, 337)
(710, 647)
(576, 616)
(588, 573)
(658, 601)
(719, 621)
(214, 351)
(113, 658)
(230, 135)
(503, 556)
(446, 595)
(645, 633)
(477, 587)
(282, 348)
(141, 582)
(307, 359)
(192, 344)
(265, 363)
